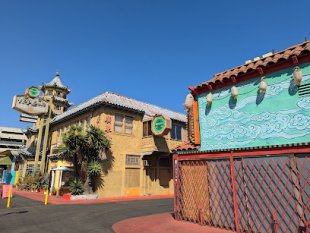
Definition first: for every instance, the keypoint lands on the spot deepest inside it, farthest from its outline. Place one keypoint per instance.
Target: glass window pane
(128, 130)
(144, 129)
(129, 121)
(132, 159)
(118, 129)
(147, 131)
(150, 128)
(119, 118)
(118, 123)
(173, 132)
(128, 125)
(178, 132)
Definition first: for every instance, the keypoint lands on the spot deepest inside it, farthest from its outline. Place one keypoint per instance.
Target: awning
(146, 154)
(5, 161)
(62, 168)
(18, 153)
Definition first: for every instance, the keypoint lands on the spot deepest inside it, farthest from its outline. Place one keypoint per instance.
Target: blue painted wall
(280, 116)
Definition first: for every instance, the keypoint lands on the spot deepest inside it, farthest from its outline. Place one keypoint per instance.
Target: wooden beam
(196, 123)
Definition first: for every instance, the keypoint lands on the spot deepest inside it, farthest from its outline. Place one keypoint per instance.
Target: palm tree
(85, 150)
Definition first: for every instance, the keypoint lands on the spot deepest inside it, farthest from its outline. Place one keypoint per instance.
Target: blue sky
(148, 50)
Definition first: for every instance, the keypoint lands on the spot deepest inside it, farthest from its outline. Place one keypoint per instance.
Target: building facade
(247, 166)
(140, 163)
(11, 139)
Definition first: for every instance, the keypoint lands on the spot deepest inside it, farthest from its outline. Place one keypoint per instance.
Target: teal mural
(280, 116)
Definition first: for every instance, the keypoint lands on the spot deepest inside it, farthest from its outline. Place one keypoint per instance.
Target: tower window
(57, 107)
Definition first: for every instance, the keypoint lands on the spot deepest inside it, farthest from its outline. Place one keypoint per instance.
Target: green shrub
(94, 168)
(43, 182)
(33, 183)
(76, 187)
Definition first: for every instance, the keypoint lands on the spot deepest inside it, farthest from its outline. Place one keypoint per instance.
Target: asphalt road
(27, 215)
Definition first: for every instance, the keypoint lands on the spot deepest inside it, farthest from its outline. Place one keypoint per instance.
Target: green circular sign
(33, 92)
(159, 124)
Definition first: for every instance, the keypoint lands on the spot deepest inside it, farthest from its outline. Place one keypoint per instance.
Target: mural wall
(280, 116)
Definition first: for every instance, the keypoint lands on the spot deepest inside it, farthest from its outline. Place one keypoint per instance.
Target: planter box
(84, 197)
(66, 196)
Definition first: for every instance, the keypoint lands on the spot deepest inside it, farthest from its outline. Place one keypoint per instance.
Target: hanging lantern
(209, 99)
(262, 86)
(297, 75)
(234, 92)
(189, 100)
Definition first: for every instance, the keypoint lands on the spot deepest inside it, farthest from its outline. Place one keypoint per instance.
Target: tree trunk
(87, 186)
(76, 166)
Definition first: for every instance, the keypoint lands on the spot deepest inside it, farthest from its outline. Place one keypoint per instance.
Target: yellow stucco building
(140, 163)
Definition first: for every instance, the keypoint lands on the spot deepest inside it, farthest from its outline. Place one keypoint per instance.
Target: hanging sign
(29, 105)
(161, 125)
(28, 118)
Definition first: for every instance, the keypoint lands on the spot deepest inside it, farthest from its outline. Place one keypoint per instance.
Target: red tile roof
(186, 146)
(285, 55)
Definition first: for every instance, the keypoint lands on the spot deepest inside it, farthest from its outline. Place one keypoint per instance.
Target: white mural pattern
(227, 127)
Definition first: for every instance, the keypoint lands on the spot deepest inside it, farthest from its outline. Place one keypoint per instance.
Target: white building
(11, 138)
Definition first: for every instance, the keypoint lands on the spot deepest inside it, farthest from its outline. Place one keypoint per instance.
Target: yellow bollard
(9, 198)
(46, 197)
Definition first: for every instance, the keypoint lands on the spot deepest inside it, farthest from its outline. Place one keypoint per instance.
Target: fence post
(175, 181)
(233, 186)
(275, 224)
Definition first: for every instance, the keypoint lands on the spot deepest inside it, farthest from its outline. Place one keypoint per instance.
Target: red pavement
(161, 223)
(60, 201)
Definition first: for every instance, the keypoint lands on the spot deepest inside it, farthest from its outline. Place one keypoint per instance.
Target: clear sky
(151, 50)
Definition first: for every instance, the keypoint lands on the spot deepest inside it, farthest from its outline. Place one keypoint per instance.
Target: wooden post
(37, 156)
(46, 134)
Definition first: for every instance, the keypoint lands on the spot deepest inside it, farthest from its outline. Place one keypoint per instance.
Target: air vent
(304, 90)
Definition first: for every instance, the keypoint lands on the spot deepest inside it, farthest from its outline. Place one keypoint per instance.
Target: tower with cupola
(57, 92)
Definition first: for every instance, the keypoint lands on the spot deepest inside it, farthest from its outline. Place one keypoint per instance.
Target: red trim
(192, 89)
(295, 60)
(260, 70)
(261, 152)
(252, 74)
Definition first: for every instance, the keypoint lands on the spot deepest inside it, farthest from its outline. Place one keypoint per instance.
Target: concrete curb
(60, 201)
(163, 223)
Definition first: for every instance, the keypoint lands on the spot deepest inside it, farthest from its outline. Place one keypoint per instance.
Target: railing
(248, 194)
